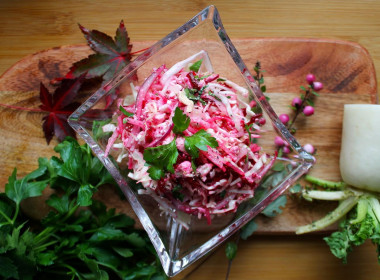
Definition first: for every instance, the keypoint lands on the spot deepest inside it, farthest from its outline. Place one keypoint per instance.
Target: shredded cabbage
(220, 178)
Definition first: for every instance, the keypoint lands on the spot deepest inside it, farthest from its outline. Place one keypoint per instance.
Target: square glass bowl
(176, 246)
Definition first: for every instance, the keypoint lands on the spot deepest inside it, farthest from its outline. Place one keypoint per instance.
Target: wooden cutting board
(345, 69)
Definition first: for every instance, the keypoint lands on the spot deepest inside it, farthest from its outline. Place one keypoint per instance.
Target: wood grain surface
(28, 27)
(286, 61)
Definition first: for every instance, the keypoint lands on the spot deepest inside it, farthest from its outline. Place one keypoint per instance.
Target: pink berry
(284, 118)
(278, 141)
(262, 121)
(286, 150)
(310, 78)
(252, 104)
(296, 102)
(317, 86)
(308, 110)
(309, 148)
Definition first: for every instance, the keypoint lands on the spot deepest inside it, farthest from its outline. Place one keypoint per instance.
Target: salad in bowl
(190, 140)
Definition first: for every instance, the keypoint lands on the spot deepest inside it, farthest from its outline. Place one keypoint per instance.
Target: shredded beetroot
(224, 176)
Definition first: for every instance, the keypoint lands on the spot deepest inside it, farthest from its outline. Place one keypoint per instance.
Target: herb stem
(16, 214)
(72, 269)
(70, 213)
(6, 217)
(43, 234)
(299, 109)
(44, 246)
(230, 261)
(325, 183)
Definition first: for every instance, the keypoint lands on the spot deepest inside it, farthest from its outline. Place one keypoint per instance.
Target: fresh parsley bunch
(79, 238)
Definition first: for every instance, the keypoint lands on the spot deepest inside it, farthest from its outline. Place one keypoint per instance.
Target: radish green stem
(375, 206)
(362, 210)
(345, 206)
(325, 195)
(325, 183)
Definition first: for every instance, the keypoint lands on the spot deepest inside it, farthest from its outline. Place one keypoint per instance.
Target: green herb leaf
(180, 120)
(257, 109)
(47, 258)
(122, 251)
(248, 229)
(119, 221)
(61, 204)
(195, 67)
(85, 193)
(297, 188)
(274, 209)
(125, 112)
(315, 93)
(156, 173)
(231, 249)
(18, 190)
(278, 166)
(190, 93)
(161, 159)
(248, 129)
(199, 141)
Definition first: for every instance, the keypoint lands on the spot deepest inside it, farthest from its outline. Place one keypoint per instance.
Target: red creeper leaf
(59, 105)
(111, 55)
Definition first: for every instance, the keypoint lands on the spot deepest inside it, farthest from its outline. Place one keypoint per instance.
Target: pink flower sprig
(303, 104)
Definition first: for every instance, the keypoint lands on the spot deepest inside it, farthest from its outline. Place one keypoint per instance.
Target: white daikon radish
(360, 152)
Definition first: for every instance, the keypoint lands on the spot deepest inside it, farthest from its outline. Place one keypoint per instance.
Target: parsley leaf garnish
(190, 93)
(125, 112)
(199, 141)
(195, 67)
(180, 120)
(161, 159)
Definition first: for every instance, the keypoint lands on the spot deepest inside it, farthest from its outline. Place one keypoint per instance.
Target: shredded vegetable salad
(190, 140)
